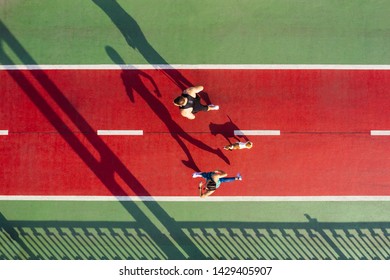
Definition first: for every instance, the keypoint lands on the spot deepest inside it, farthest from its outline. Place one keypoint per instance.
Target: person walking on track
(213, 181)
(189, 103)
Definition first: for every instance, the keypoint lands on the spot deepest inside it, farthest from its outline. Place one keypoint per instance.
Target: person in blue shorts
(213, 181)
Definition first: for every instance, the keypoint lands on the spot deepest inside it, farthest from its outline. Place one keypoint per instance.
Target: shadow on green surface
(133, 83)
(142, 239)
(136, 39)
(310, 240)
(103, 162)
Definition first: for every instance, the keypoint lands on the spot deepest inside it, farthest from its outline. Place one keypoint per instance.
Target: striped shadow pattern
(96, 240)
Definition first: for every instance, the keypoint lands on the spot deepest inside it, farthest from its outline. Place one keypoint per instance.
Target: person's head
(179, 101)
(249, 145)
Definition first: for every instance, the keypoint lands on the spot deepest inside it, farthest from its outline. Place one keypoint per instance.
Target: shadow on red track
(106, 164)
(226, 130)
(134, 84)
(136, 39)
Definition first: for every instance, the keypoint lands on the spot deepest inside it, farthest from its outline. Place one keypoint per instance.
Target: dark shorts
(210, 184)
(198, 107)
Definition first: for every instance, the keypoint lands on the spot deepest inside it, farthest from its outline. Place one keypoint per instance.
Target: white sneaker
(196, 175)
(239, 177)
(213, 107)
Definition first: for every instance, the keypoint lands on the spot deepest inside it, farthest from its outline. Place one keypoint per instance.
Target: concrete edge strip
(197, 66)
(193, 198)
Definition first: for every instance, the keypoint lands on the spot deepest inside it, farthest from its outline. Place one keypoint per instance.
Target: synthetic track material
(325, 118)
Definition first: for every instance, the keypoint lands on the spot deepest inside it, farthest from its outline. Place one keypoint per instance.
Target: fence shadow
(311, 240)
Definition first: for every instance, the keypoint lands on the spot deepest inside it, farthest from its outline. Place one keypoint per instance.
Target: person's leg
(206, 175)
(199, 107)
(230, 179)
(227, 179)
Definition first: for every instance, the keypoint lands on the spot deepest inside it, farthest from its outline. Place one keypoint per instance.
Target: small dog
(239, 146)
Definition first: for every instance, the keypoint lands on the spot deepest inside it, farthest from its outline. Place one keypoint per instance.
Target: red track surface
(324, 116)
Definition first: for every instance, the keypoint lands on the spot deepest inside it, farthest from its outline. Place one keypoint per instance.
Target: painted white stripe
(120, 132)
(193, 198)
(257, 132)
(3, 132)
(198, 66)
(380, 132)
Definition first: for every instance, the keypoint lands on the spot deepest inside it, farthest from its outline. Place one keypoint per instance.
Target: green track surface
(202, 31)
(194, 230)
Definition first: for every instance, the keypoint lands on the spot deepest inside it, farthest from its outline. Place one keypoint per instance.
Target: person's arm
(220, 173)
(200, 189)
(194, 90)
(206, 194)
(187, 113)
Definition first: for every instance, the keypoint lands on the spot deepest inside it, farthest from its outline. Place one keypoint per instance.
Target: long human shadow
(226, 130)
(134, 84)
(106, 164)
(136, 39)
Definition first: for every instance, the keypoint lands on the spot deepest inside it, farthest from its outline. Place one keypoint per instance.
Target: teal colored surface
(201, 31)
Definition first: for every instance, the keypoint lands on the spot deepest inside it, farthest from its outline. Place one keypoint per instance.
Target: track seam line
(191, 198)
(197, 67)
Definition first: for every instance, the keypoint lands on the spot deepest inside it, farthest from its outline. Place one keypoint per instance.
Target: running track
(325, 118)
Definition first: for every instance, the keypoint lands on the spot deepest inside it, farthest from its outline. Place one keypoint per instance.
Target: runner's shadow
(227, 130)
(48, 98)
(136, 39)
(132, 80)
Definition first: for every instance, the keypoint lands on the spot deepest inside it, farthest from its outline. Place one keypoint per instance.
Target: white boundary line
(192, 198)
(198, 66)
(380, 132)
(3, 132)
(256, 132)
(120, 132)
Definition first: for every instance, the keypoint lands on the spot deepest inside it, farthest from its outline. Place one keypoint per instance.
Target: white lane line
(198, 66)
(120, 132)
(380, 132)
(192, 198)
(257, 132)
(3, 132)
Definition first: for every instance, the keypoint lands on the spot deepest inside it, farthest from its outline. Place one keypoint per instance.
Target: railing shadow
(101, 240)
(106, 164)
